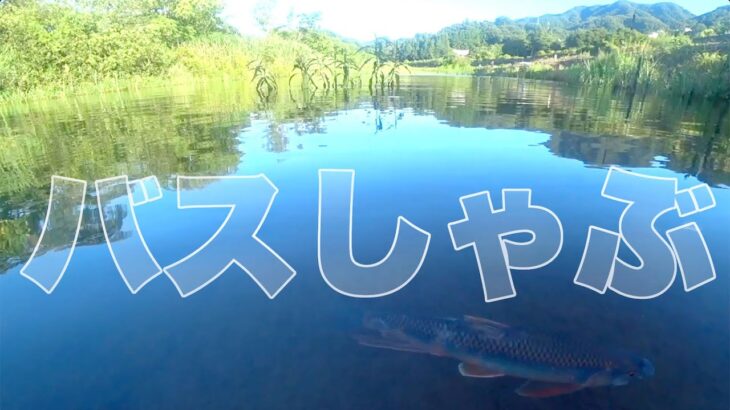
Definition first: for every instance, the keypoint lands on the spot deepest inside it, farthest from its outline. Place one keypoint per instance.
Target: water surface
(92, 344)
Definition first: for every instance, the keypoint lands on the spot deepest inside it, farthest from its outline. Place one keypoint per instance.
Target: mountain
(670, 14)
(642, 17)
(552, 32)
(713, 18)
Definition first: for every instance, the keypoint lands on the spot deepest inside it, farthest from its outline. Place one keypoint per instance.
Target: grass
(218, 57)
(681, 72)
(451, 70)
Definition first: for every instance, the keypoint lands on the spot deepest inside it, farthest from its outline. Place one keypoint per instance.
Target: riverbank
(115, 48)
(688, 71)
(57, 49)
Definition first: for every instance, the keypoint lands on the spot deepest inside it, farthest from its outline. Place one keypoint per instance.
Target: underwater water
(94, 344)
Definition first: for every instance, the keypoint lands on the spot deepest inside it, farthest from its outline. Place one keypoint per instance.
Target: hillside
(622, 14)
(586, 28)
(716, 17)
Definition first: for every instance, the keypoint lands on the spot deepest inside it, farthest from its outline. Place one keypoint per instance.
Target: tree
(491, 34)
(591, 40)
(442, 47)
(543, 40)
(516, 46)
(88, 40)
(488, 52)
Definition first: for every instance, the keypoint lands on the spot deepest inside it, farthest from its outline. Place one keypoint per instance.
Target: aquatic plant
(393, 70)
(264, 81)
(704, 74)
(382, 74)
(347, 71)
(620, 68)
(312, 71)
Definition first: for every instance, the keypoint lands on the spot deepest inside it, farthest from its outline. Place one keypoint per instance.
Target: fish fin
(538, 389)
(475, 370)
(490, 328)
(384, 343)
(480, 320)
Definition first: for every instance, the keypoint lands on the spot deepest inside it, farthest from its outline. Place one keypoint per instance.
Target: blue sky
(362, 20)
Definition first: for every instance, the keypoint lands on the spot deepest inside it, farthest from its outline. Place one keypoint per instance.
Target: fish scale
(540, 350)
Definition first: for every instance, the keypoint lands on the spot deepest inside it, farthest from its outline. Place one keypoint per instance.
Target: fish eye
(632, 374)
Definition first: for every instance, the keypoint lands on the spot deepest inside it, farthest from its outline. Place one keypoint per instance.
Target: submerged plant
(313, 72)
(392, 77)
(348, 72)
(263, 79)
(382, 72)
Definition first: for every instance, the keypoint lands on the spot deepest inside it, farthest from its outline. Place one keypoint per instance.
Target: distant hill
(642, 17)
(554, 32)
(713, 18)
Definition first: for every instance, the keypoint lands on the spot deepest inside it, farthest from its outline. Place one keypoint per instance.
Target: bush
(48, 43)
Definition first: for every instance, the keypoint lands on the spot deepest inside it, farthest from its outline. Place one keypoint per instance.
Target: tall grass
(681, 71)
(215, 56)
(57, 48)
(705, 74)
(621, 69)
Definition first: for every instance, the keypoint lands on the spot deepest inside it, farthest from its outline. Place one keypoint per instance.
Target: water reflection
(91, 344)
(195, 132)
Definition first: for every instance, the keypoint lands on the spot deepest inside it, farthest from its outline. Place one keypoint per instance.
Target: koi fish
(488, 349)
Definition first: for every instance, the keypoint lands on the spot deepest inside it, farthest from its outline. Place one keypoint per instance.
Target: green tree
(89, 40)
(517, 46)
(542, 39)
(488, 52)
(591, 40)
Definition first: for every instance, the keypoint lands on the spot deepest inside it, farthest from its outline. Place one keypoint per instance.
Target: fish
(486, 349)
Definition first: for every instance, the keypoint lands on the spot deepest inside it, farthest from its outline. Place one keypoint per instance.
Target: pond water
(93, 344)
